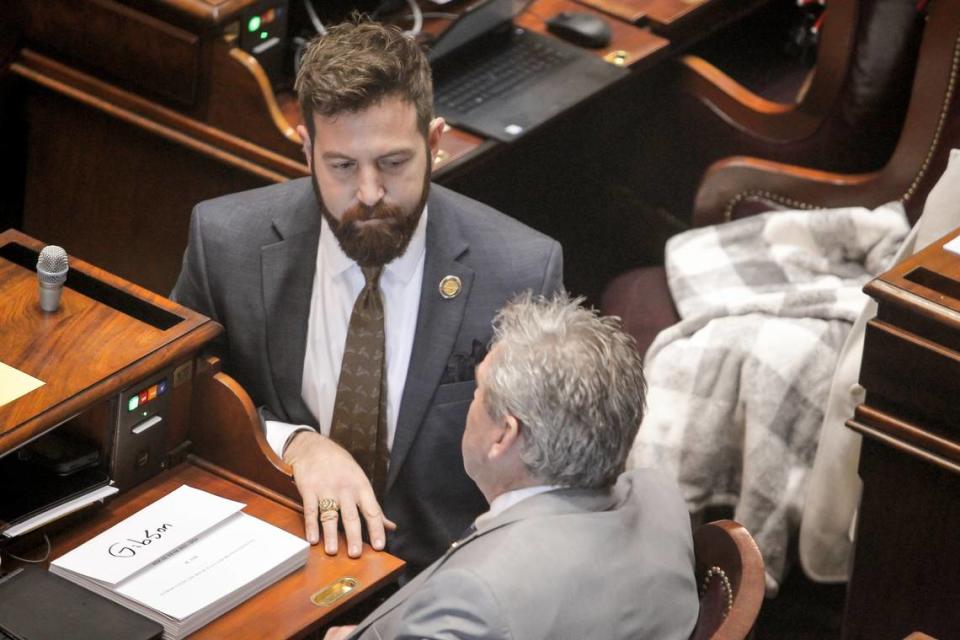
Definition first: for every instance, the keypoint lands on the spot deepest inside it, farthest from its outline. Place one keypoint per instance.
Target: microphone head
(52, 265)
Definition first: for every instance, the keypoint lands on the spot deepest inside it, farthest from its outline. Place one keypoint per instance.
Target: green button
(133, 403)
(253, 24)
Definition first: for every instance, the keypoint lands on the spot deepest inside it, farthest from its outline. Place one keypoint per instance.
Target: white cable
(417, 19)
(314, 18)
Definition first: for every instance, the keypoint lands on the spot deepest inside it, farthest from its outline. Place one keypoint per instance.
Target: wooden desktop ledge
(282, 610)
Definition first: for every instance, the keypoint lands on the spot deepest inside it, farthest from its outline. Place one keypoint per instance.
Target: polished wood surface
(84, 351)
(227, 432)
(726, 550)
(109, 334)
(661, 13)
(910, 456)
(283, 610)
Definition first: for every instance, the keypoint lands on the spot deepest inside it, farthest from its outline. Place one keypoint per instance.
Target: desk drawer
(912, 379)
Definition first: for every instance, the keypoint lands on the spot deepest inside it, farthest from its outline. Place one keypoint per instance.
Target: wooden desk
(110, 337)
(283, 610)
(906, 566)
(106, 336)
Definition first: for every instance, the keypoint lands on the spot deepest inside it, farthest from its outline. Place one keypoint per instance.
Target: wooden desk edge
(283, 607)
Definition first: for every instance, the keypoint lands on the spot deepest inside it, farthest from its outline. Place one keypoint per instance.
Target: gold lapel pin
(450, 287)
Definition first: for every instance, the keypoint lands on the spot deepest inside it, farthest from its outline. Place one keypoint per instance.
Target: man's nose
(370, 188)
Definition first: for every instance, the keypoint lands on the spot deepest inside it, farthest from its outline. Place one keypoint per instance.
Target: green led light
(133, 403)
(253, 24)
(263, 35)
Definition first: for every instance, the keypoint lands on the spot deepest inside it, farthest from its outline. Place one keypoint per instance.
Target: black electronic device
(61, 452)
(580, 28)
(28, 489)
(501, 81)
(38, 605)
(262, 33)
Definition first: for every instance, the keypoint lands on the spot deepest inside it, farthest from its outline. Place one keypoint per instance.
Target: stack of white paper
(184, 560)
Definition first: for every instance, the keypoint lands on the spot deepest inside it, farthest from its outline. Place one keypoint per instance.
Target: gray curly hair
(575, 382)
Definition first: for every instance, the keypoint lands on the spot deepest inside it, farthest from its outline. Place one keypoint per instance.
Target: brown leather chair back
(741, 186)
(729, 570)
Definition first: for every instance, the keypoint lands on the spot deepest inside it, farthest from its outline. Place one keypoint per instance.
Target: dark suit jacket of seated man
(561, 554)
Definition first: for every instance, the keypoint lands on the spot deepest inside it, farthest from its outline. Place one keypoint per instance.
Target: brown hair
(358, 64)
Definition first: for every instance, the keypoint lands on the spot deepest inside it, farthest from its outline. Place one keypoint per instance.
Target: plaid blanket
(738, 387)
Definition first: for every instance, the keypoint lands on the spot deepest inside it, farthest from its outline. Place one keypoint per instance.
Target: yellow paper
(15, 383)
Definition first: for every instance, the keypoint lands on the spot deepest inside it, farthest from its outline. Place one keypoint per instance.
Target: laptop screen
(476, 21)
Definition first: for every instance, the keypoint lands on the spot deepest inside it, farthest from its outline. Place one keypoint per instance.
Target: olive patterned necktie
(360, 411)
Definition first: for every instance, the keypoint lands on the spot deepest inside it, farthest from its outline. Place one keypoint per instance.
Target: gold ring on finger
(327, 516)
(328, 504)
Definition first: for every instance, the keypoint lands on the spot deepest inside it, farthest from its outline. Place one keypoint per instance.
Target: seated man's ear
(508, 438)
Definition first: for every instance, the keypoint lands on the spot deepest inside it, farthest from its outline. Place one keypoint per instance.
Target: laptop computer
(37, 605)
(501, 81)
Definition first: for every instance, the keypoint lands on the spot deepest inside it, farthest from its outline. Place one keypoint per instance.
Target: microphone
(52, 267)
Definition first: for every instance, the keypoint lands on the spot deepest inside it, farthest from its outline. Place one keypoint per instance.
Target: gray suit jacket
(567, 564)
(249, 265)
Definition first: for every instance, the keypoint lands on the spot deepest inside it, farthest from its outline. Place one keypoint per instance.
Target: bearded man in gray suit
(284, 269)
(568, 550)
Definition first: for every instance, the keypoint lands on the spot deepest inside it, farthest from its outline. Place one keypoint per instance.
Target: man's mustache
(380, 211)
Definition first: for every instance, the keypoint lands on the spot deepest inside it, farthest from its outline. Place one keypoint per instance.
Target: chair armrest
(745, 111)
(741, 186)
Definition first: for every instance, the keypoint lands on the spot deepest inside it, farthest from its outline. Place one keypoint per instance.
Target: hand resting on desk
(324, 469)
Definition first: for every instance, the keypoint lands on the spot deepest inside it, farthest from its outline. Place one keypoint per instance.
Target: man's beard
(373, 245)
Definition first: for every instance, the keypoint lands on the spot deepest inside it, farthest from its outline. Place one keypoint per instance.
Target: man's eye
(393, 163)
(341, 166)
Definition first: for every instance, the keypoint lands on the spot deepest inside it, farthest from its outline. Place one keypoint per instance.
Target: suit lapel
(438, 323)
(287, 269)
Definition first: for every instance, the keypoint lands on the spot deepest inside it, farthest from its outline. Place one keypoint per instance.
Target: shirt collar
(506, 500)
(400, 270)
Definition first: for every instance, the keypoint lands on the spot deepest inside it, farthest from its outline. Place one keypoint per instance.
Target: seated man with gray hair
(571, 547)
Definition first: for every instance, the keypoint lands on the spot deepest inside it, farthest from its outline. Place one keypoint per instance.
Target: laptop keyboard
(492, 77)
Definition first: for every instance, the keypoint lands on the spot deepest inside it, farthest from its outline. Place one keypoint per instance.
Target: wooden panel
(226, 431)
(905, 374)
(126, 44)
(934, 297)
(114, 193)
(662, 14)
(85, 350)
(227, 146)
(283, 610)
(906, 562)
(196, 15)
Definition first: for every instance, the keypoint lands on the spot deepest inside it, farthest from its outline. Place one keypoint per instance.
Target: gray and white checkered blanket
(738, 387)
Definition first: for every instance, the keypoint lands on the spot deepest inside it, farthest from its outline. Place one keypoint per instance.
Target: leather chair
(741, 186)
(857, 91)
(729, 570)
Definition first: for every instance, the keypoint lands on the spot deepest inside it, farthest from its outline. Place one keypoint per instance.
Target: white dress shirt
(336, 284)
(506, 500)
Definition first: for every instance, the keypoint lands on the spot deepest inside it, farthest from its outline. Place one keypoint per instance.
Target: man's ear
(507, 439)
(434, 134)
(307, 144)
